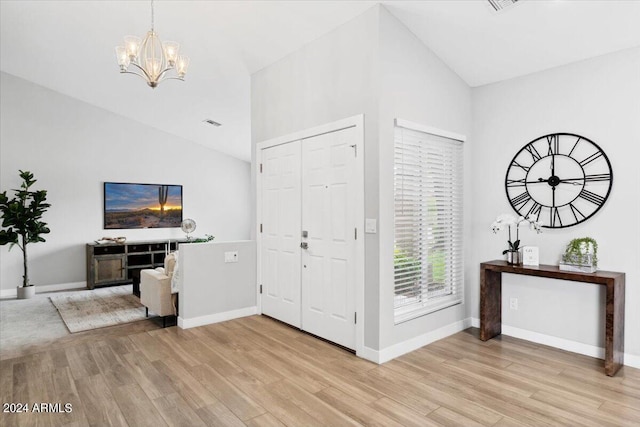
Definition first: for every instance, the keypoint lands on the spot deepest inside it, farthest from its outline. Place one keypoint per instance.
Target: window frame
(454, 246)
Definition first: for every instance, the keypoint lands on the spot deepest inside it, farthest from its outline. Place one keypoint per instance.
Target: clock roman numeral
(555, 215)
(524, 168)
(579, 216)
(574, 146)
(534, 153)
(536, 209)
(594, 198)
(554, 146)
(591, 158)
(516, 182)
(520, 200)
(597, 177)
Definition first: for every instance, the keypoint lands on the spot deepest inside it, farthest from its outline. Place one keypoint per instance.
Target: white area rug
(97, 308)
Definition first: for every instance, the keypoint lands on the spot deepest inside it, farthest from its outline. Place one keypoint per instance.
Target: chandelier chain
(152, 20)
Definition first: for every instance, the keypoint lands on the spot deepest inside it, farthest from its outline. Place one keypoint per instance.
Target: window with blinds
(428, 253)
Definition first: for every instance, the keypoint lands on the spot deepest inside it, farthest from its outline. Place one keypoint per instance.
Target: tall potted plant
(21, 223)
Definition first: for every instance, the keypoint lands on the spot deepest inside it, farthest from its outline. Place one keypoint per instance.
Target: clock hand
(539, 181)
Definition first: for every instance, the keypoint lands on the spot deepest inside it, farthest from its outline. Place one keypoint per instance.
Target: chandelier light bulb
(150, 58)
(183, 64)
(123, 58)
(132, 44)
(171, 52)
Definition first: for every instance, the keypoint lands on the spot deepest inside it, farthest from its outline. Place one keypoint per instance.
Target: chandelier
(151, 59)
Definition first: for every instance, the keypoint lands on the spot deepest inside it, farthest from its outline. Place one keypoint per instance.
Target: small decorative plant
(21, 218)
(206, 238)
(507, 221)
(582, 251)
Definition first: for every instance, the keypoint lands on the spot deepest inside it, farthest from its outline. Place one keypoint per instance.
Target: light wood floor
(257, 372)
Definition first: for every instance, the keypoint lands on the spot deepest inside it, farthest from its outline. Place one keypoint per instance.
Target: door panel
(281, 217)
(328, 214)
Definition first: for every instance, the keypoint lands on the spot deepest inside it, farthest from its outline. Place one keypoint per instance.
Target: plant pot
(26, 292)
(513, 258)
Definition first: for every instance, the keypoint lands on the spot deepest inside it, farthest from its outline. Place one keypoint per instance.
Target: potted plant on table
(507, 221)
(21, 223)
(580, 255)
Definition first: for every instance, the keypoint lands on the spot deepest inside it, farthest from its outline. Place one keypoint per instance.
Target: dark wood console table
(111, 264)
(491, 303)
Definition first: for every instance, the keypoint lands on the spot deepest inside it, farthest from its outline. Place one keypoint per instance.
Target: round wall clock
(562, 179)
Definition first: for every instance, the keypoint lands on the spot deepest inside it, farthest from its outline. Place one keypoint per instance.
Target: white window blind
(428, 253)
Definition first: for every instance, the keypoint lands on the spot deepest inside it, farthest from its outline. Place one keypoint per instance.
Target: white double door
(308, 235)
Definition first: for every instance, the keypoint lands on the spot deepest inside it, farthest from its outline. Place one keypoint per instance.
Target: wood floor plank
(355, 409)
(622, 411)
(154, 383)
(176, 413)
(447, 417)
(543, 411)
(445, 397)
(136, 406)
(216, 414)
(98, 403)
(67, 393)
(401, 390)
(575, 385)
(81, 361)
(283, 409)
(191, 390)
(311, 404)
(578, 405)
(113, 368)
(402, 414)
(265, 420)
(243, 406)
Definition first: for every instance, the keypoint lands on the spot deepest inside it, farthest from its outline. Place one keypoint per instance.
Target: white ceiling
(68, 46)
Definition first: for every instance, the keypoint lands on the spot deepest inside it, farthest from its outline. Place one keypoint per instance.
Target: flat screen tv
(142, 205)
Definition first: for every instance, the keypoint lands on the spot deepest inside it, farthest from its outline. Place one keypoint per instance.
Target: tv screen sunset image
(142, 205)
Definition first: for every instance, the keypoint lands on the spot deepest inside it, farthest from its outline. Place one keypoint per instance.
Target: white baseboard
(561, 343)
(632, 360)
(396, 350)
(216, 318)
(13, 293)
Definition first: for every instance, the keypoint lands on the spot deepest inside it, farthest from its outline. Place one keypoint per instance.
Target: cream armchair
(155, 289)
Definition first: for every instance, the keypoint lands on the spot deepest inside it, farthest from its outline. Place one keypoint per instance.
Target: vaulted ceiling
(68, 46)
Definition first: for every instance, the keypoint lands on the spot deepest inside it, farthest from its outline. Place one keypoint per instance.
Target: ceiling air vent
(212, 122)
(499, 5)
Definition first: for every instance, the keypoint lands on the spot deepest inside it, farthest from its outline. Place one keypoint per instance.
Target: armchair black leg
(146, 311)
(164, 321)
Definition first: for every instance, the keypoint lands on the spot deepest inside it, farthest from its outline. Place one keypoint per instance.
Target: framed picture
(129, 205)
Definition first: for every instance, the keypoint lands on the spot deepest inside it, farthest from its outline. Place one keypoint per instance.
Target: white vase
(26, 292)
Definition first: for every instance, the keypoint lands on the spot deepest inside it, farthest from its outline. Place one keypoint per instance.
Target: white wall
(332, 78)
(212, 290)
(73, 147)
(417, 86)
(600, 99)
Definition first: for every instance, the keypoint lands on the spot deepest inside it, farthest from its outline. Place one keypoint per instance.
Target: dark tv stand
(110, 264)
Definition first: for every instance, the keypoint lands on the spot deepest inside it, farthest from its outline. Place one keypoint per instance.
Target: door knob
(304, 245)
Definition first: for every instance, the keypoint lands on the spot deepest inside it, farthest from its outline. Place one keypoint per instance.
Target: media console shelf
(120, 263)
(491, 303)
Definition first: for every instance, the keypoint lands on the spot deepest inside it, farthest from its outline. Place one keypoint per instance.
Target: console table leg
(490, 304)
(614, 328)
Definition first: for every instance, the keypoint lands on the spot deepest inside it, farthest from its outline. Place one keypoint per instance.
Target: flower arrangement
(507, 221)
